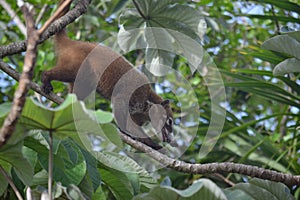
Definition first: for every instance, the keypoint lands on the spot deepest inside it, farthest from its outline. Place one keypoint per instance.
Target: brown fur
(113, 77)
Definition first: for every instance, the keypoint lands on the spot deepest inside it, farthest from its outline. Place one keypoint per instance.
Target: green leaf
(166, 15)
(200, 189)
(75, 164)
(119, 5)
(103, 116)
(269, 56)
(99, 194)
(92, 171)
(73, 192)
(118, 183)
(65, 120)
(69, 164)
(169, 14)
(273, 18)
(247, 151)
(260, 189)
(283, 44)
(112, 134)
(86, 186)
(295, 35)
(13, 155)
(4, 109)
(291, 65)
(237, 194)
(159, 42)
(127, 165)
(284, 4)
(19, 132)
(40, 178)
(70, 119)
(264, 89)
(3, 181)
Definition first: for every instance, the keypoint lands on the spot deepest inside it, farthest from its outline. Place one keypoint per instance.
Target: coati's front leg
(47, 87)
(58, 74)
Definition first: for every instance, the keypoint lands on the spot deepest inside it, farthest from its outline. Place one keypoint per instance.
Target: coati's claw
(47, 88)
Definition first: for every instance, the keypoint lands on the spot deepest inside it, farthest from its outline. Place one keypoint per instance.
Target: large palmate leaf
(70, 119)
(162, 15)
(165, 14)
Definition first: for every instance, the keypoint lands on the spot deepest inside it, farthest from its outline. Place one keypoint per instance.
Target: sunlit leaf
(291, 65)
(283, 44)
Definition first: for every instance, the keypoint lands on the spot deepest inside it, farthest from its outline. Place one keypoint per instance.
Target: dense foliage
(253, 49)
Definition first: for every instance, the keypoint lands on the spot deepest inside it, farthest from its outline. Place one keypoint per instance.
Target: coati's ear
(165, 102)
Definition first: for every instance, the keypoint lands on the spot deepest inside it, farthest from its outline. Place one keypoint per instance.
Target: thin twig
(11, 183)
(224, 179)
(42, 12)
(14, 16)
(275, 20)
(18, 47)
(54, 16)
(50, 164)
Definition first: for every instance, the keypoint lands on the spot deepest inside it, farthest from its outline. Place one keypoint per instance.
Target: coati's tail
(61, 35)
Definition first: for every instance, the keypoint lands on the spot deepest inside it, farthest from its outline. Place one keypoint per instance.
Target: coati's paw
(47, 88)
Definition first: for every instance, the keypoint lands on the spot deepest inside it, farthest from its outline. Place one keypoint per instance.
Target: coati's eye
(169, 125)
(170, 122)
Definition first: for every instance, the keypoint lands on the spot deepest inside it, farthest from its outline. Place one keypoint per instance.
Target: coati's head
(161, 117)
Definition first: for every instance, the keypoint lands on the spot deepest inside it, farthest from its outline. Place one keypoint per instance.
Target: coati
(88, 66)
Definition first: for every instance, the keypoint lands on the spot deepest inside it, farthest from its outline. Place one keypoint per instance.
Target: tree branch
(178, 165)
(29, 63)
(20, 94)
(72, 15)
(35, 87)
(209, 168)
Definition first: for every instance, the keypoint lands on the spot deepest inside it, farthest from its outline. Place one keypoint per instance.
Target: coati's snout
(161, 118)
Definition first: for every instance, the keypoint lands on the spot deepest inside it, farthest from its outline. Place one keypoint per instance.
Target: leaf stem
(50, 164)
(11, 183)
